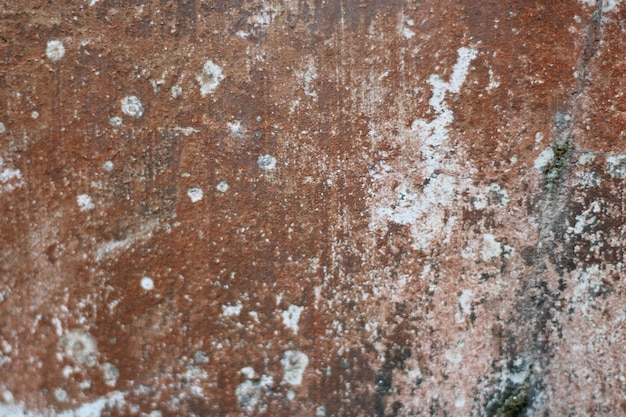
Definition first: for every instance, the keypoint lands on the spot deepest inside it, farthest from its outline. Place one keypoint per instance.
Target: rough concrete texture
(312, 208)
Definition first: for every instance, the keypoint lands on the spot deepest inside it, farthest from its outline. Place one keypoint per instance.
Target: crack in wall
(537, 301)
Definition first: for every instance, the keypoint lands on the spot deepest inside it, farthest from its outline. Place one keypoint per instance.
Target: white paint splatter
(55, 50)
(34, 115)
(195, 194)
(110, 374)
(147, 283)
(108, 166)
(61, 395)
(294, 364)
(291, 316)
(231, 311)
(85, 203)
(93, 2)
(422, 207)
(80, 347)
(209, 78)
(266, 162)
(115, 121)
(2, 128)
(10, 178)
(176, 91)
(222, 186)
(131, 106)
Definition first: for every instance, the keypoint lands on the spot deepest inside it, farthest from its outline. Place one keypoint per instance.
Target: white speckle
(93, 2)
(85, 203)
(195, 194)
(61, 395)
(222, 186)
(186, 130)
(291, 316)
(209, 78)
(110, 373)
(407, 33)
(291, 395)
(143, 234)
(131, 106)
(543, 159)
(266, 162)
(538, 137)
(608, 5)
(320, 411)
(230, 311)
(294, 364)
(115, 121)
(249, 391)
(2, 128)
(55, 50)
(453, 356)
(459, 402)
(585, 158)
(9, 174)
(176, 91)
(147, 283)
(155, 413)
(94, 408)
(491, 248)
(34, 115)
(80, 347)
(616, 166)
(108, 166)
(235, 129)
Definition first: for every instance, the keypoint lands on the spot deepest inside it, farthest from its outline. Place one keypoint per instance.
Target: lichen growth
(555, 168)
(515, 403)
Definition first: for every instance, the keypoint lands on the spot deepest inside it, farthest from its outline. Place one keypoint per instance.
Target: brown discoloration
(436, 270)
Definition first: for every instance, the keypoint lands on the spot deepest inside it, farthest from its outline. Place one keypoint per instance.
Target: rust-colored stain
(312, 208)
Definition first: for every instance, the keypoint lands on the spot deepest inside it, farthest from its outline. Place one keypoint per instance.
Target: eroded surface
(312, 208)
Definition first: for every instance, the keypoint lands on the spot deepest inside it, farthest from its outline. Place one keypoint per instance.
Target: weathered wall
(312, 208)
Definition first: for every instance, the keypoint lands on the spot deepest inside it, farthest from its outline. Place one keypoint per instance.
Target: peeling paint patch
(55, 50)
(10, 178)
(85, 203)
(209, 78)
(294, 364)
(616, 166)
(249, 391)
(131, 106)
(291, 316)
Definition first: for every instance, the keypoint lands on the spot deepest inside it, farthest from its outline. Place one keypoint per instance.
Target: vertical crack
(537, 301)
